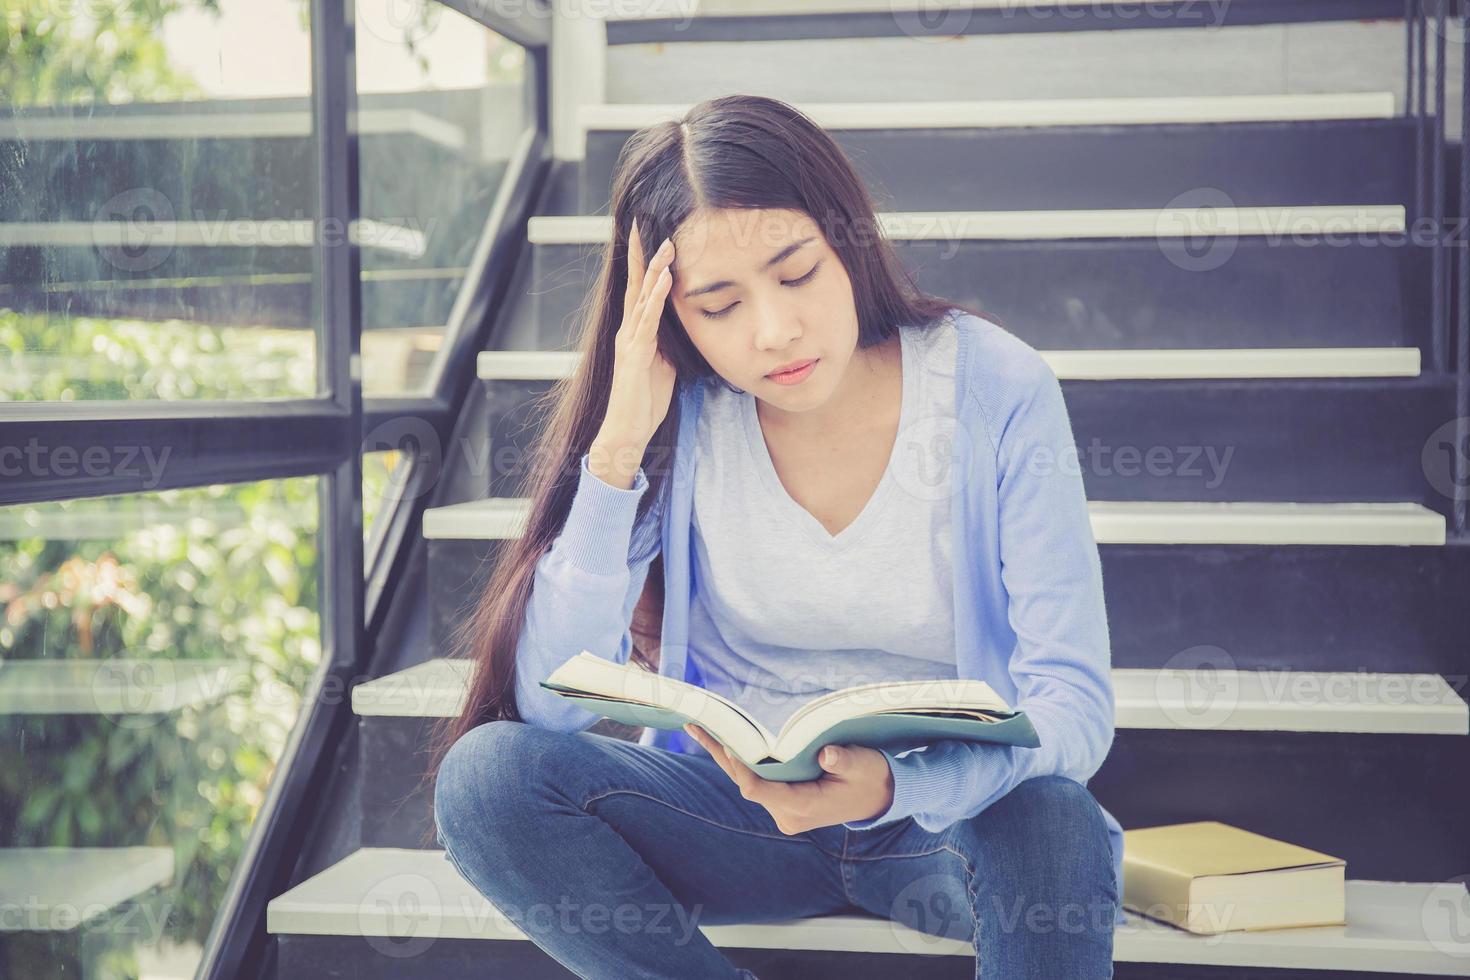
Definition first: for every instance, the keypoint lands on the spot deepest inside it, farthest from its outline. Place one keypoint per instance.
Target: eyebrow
(773, 260)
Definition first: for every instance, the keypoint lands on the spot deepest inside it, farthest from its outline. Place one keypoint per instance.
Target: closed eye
(802, 281)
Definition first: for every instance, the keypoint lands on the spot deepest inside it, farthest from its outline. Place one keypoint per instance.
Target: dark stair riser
(1129, 293)
(316, 957)
(1062, 168)
(1310, 788)
(1390, 805)
(1302, 607)
(1303, 440)
(1298, 607)
(901, 22)
(396, 803)
(319, 957)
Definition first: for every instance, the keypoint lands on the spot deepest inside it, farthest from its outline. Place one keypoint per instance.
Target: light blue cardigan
(1029, 613)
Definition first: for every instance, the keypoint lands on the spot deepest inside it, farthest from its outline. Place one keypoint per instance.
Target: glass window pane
(157, 201)
(155, 648)
(441, 101)
(383, 473)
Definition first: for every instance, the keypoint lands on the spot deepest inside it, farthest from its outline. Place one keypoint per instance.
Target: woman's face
(759, 289)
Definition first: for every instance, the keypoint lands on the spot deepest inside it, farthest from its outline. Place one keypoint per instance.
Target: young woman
(826, 478)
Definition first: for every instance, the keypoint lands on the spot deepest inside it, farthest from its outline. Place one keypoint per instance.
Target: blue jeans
(610, 855)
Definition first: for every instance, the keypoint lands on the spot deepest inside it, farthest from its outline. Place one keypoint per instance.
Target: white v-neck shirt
(786, 611)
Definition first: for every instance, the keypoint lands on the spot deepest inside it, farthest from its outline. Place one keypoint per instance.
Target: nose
(776, 330)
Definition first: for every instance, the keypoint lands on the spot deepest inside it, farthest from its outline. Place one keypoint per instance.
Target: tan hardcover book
(1209, 877)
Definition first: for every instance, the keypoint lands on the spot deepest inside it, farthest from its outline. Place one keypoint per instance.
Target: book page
(594, 675)
(936, 693)
(928, 697)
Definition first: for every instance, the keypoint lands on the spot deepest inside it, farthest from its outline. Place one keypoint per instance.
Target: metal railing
(1449, 325)
(1462, 290)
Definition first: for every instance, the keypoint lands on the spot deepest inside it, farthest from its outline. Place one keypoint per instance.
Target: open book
(894, 715)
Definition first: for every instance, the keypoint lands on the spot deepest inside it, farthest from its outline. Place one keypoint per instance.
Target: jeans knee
(1060, 800)
(1043, 872)
(1067, 810)
(1047, 826)
(482, 780)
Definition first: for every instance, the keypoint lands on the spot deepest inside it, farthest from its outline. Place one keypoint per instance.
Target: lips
(793, 366)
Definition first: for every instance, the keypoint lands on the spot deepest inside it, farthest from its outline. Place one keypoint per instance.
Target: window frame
(212, 442)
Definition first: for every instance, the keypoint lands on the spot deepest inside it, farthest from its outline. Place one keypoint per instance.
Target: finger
(642, 327)
(633, 287)
(752, 785)
(655, 266)
(653, 310)
(696, 733)
(797, 802)
(741, 768)
(715, 749)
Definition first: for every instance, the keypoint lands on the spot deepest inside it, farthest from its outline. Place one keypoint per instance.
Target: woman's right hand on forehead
(643, 379)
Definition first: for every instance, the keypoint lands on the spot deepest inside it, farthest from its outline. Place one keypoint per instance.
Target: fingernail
(668, 244)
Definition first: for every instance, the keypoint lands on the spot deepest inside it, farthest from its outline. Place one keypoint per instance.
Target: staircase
(1257, 430)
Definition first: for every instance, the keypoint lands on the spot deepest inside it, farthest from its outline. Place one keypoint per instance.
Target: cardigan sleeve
(1061, 664)
(583, 593)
